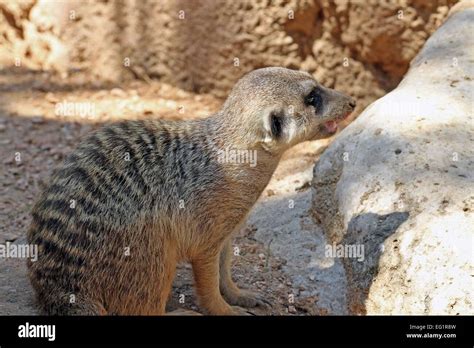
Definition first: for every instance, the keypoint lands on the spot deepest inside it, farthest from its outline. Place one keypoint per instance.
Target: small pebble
(270, 193)
(118, 92)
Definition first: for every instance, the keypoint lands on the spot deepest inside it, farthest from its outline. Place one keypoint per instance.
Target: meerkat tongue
(331, 126)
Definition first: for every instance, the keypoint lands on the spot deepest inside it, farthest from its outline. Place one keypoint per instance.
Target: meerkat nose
(352, 103)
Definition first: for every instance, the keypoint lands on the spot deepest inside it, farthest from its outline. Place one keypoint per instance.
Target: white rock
(408, 183)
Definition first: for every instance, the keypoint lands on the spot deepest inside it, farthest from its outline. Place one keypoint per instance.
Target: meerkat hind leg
(206, 275)
(230, 291)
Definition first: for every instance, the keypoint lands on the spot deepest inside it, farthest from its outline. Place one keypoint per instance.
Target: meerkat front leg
(206, 275)
(229, 289)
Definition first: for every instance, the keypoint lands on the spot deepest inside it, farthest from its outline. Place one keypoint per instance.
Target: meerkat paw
(248, 299)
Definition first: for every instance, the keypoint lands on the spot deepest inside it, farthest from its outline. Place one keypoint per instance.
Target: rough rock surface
(30, 35)
(360, 47)
(400, 181)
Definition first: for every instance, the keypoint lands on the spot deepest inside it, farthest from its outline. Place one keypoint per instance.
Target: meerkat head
(282, 107)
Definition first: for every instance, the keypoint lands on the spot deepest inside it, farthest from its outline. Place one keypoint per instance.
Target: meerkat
(138, 197)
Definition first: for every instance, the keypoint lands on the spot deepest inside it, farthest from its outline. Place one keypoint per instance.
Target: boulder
(204, 47)
(399, 183)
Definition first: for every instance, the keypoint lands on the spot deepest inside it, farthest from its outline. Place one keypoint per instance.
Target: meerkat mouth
(331, 126)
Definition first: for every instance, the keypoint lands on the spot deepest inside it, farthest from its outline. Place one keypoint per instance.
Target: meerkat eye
(314, 98)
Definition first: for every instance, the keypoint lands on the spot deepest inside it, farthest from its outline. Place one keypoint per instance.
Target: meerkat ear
(273, 124)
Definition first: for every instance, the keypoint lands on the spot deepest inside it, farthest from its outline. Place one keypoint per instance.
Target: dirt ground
(35, 139)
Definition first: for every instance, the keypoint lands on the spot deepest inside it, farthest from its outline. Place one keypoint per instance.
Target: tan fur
(172, 201)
